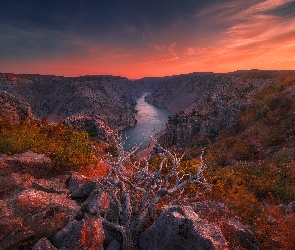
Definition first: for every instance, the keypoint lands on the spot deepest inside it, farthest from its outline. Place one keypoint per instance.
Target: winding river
(151, 120)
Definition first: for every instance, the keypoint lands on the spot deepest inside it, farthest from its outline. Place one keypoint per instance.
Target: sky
(140, 38)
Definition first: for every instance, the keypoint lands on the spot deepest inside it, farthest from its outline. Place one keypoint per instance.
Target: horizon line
(134, 79)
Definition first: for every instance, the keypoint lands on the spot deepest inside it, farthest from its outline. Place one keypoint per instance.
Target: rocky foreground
(43, 211)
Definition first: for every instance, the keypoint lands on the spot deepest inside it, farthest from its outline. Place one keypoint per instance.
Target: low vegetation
(68, 149)
(252, 168)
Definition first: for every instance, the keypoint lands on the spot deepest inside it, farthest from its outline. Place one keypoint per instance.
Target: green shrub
(68, 149)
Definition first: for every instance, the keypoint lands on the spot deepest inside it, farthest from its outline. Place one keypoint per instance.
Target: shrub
(67, 148)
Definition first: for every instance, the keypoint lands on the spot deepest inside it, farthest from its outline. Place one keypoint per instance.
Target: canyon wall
(57, 98)
(206, 103)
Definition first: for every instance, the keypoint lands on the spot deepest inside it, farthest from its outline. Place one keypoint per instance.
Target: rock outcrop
(237, 234)
(182, 228)
(43, 244)
(14, 109)
(37, 165)
(33, 213)
(95, 126)
(35, 204)
(84, 234)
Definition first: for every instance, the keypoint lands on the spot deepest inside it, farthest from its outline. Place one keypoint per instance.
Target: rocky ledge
(95, 126)
(14, 109)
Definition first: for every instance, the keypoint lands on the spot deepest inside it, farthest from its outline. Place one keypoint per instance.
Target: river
(151, 120)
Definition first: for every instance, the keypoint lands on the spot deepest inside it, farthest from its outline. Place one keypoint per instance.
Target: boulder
(33, 213)
(241, 235)
(37, 165)
(79, 235)
(97, 201)
(43, 244)
(237, 234)
(114, 245)
(13, 183)
(79, 186)
(50, 186)
(12, 229)
(17, 182)
(32, 201)
(181, 228)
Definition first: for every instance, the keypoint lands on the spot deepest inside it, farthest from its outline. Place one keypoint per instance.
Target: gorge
(151, 119)
(58, 149)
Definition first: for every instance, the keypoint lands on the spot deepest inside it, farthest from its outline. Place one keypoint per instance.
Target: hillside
(57, 98)
(249, 137)
(205, 103)
(202, 92)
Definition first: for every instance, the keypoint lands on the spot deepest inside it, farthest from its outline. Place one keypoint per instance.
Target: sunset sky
(137, 38)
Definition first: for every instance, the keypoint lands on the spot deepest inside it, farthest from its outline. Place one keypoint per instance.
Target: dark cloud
(128, 23)
(285, 11)
(140, 31)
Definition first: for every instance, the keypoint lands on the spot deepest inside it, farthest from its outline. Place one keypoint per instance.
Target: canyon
(244, 122)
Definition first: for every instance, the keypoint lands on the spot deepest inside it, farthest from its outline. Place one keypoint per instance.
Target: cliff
(57, 98)
(207, 103)
(14, 109)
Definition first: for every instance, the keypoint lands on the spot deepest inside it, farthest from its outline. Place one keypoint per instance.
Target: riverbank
(151, 120)
(145, 153)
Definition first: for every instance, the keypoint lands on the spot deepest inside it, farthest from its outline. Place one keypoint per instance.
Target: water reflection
(151, 120)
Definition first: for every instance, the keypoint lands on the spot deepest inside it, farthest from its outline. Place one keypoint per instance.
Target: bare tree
(134, 189)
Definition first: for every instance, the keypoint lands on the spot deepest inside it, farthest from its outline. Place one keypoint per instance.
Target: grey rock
(97, 201)
(43, 244)
(79, 235)
(96, 127)
(14, 182)
(50, 186)
(67, 234)
(181, 228)
(33, 213)
(37, 165)
(238, 235)
(114, 245)
(242, 235)
(14, 109)
(75, 184)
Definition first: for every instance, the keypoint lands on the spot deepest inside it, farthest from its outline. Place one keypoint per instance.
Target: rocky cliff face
(151, 84)
(14, 109)
(60, 97)
(207, 103)
(95, 126)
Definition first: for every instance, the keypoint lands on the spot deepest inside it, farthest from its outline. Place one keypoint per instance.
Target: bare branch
(135, 190)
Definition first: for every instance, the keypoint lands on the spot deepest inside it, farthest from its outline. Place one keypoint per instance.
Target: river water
(151, 120)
